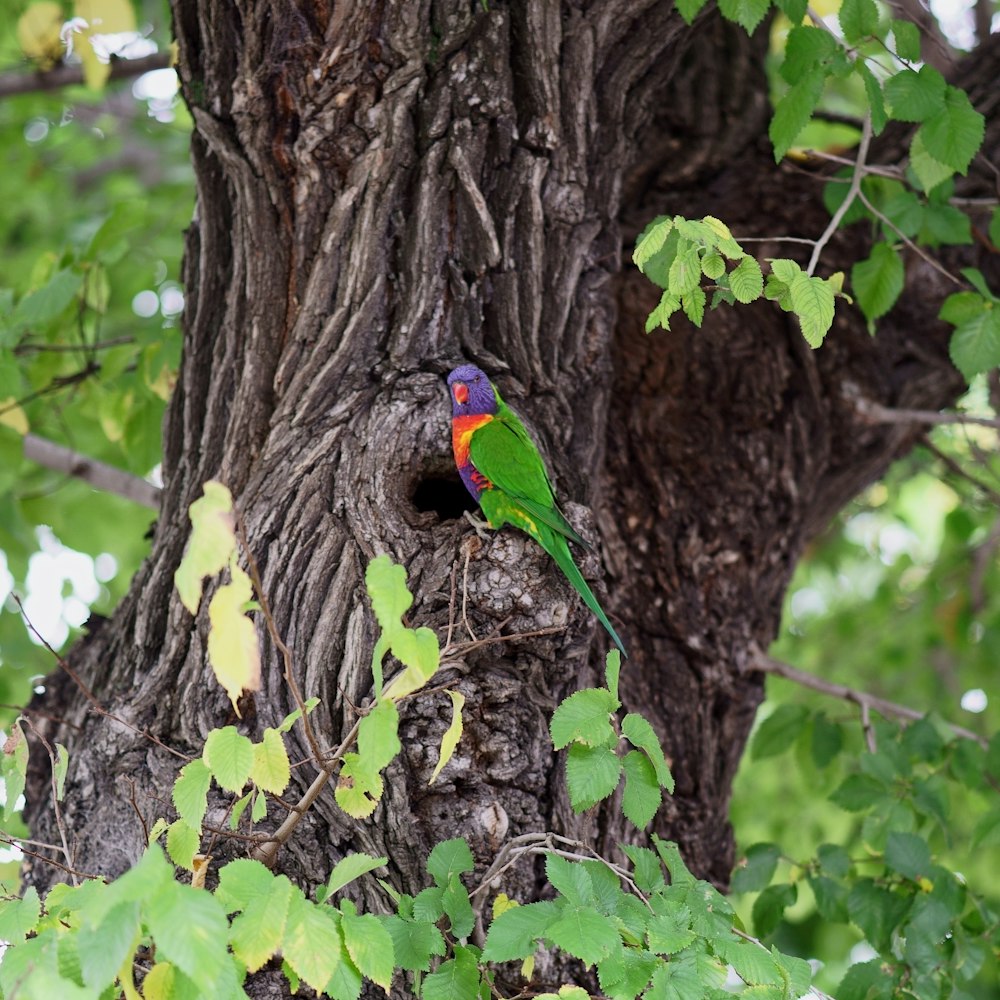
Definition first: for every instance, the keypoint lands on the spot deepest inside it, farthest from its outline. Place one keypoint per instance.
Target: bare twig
(949, 463)
(29, 347)
(87, 693)
(99, 474)
(12, 84)
(852, 191)
(878, 414)
(775, 239)
(865, 701)
(19, 844)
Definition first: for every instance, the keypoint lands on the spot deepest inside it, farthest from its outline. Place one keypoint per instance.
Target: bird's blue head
(471, 392)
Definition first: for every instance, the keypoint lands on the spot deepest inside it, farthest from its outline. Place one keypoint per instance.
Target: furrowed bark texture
(386, 190)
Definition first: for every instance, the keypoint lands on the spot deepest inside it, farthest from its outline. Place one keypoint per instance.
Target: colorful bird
(503, 470)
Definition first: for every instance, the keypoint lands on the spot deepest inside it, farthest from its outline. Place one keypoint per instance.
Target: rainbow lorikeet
(503, 470)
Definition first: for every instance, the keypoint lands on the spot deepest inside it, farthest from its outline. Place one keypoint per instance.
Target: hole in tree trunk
(443, 494)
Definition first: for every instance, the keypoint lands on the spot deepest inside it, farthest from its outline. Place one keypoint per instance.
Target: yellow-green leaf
(159, 982)
(418, 649)
(452, 734)
(38, 31)
(271, 769)
(182, 844)
(12, 416)
(229, 756)
(232, 642)
(212, 542)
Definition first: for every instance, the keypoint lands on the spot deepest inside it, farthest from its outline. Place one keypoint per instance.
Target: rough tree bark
(385, 190)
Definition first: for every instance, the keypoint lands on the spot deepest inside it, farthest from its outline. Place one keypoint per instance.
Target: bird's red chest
(462, 429)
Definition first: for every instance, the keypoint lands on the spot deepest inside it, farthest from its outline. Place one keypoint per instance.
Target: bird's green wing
(504, 453)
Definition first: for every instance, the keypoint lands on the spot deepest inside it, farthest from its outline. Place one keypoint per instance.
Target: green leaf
(229, 756)
(592, 774)
(685, 271)
(241, 881)
(858, 20)
(660, 316)
(385, 582)
(873, 91)
(642, 796)
(827, 740)
(18, 917)
(778, 731)
(370, 946)
(769, 907)
(876, 911)
(713, 266)
(450, 857)
(271, 769)
(515, 932)
(457, 907)
(793, 111)
(756, 870)
(794, 10)
(915, 96)
(457, 979)
(693, 304)
(183, 842)
(688, 9)
(642, 736)
(746, 280)
(653, 237)
(312, 943)
(753, 964)
(346, 870)
(190, 794)
(103, 948)
(806, 48)
(908, 854)
(14, 767)
(378, 735)
(451, 736)
(859, 791)
(907, 38)
(812, 301)
(746, 13)
(571, 879)
(413, 942)
(954, 134)
(359, 787)
(929, 171)
(584, 933)
(648, 873)
(994, 230)
(961, 307)
(831, 898)
(975, 344)
(45, 303)
(670, 932)
(612, 670)
(584, 717)
(257, 933)
(944, 223)
(878, 281)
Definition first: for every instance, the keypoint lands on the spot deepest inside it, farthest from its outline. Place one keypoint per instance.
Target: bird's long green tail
(559, 551)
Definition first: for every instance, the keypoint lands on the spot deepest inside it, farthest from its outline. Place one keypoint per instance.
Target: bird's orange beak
(461, 391)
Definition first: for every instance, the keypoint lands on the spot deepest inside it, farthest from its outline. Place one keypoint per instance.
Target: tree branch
(12, 84)
(878, 414)
(866, 702)
(99, 474)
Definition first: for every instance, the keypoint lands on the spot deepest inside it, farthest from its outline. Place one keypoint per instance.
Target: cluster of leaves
(882, 54)
(586, 723)
(933, 933)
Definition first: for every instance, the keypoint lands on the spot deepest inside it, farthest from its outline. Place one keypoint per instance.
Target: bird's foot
(481, 527)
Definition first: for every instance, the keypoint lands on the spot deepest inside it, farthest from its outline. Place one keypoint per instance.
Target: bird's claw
(481, 527)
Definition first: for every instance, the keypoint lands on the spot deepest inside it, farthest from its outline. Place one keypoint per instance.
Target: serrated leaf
(457, 979)
(975, 344)
(915, 96)
(370, 946)
(954, 134)
(670, 932)
(685, 270)
(688, 9)
(312, 943)
(190, 793)
(233, 650)
(449, 741)
(831, 898)
(211, 544)
(857, 792)
(693, 304)
(755, 871)
(778, 731)
(648, 872)
(793, 111)
(359, 788)
(378, 735)
(44, 304)
(944, 223)
(571, 879)
(746, 13)
(584, 933)
(257, 933)
(652, 240)
(813, 303)
(858, 20)
(515, 932)
(592, 774)
(877, 911)
(419, 651)
(584, 717)
(182, 844)
(642, 736)
(229, 756)
(239, 808)
(242, 881)
(827, 740)
(753, 964)
(346, 870)
(806, 48)
(457, 907)
(929, 171)
(770, 905)
(907, 39)
(414, 942)
(19, 917)
(449, 857)
(873, 91)
(878, 281)
(259, 809)
(271, 768)
(908, 854)
(660, 316)
(642, 795)
(612, 671)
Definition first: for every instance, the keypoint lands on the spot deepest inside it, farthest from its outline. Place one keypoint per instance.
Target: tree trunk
(387, 190)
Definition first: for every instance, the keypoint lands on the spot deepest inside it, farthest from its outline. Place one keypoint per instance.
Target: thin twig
(87, 693)
(66, 76)
(878, 170)
(923, 254)
(863, 699)
(18, 843)
(100, 475)
(775, 239)
(852, 191)
(877, 413)
(991, 494)
(28, 347)
(465, 592)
